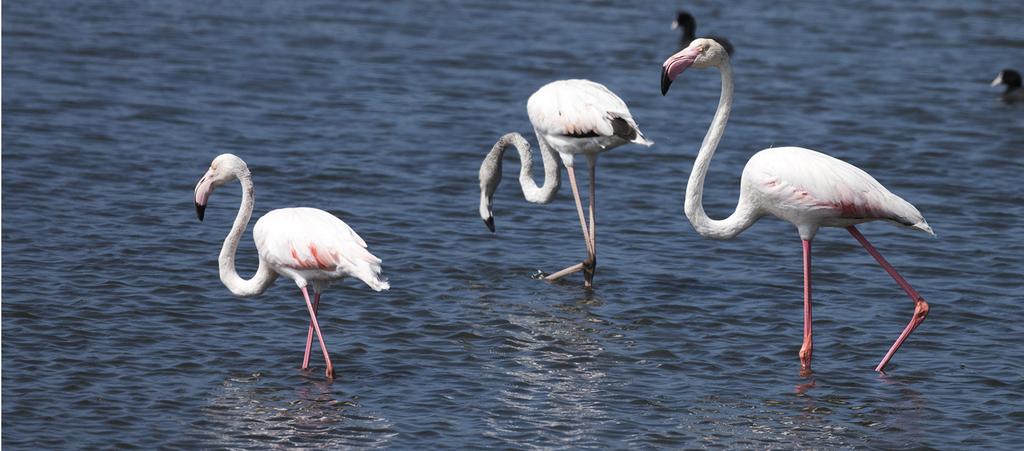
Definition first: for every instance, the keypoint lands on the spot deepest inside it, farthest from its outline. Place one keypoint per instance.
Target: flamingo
(806, 188)
(307, 245)
(569, 117)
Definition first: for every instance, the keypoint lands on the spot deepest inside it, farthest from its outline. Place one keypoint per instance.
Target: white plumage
(807, 188)
(570, 117)
(812, 189)
(580, 116)
(305, 244)
(316, 246)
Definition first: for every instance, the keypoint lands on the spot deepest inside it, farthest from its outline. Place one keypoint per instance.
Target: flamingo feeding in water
(807, 188)
(569, 117)
(305, 244)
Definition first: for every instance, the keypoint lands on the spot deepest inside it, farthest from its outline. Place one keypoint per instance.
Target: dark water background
(117, 331)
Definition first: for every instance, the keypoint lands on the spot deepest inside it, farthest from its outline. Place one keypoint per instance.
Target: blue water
(117, 331)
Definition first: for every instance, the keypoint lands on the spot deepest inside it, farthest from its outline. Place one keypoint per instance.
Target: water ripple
(118, 333)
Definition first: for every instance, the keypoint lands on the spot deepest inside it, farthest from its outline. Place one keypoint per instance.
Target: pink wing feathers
(310, 239)
(829, 187)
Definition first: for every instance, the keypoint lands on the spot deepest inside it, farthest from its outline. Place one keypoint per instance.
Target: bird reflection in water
(558, 386)
(802, 388)
(248, 412)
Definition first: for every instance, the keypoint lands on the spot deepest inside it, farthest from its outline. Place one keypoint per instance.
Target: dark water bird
(806, 188)
(570, 117)
(1011, 79)
(688, 23)
(307, 245)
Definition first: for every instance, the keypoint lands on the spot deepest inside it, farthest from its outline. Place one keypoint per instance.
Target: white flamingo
(305, 244)
(569, 117)
(807, 188)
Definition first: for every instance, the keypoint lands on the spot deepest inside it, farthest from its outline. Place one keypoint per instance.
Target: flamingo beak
(489, 222)
(665, 81)
(202, 193)
(675, 65)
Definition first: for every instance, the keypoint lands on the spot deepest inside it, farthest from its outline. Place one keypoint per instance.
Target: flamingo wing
(309, 239)
(814, 183)
(582, 109)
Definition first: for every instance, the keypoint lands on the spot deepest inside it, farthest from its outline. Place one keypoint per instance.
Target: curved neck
(490, 172)
(552, 176)
(228, 275)
(744, 216)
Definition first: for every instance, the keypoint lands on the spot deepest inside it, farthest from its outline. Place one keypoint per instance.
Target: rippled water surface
(117, 331)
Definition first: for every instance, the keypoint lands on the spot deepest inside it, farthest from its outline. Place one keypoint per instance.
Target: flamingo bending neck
(264, 276)
(490, 173)
(745, 214)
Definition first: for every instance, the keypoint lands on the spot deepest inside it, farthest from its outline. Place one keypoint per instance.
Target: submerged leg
(920, 306)
(588, 269)
(319, 336)
(807, 348)
(309, 334)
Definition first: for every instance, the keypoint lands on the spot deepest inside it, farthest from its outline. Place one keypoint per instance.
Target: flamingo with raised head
(806, 188)
(305, 244)
(569, 117)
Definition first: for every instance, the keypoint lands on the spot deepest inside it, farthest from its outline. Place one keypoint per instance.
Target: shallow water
(117, 331)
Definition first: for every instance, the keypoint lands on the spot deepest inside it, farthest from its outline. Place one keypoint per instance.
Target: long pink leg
(558, 275)
(586, 235)
(319, 336)
(920, 306)
(579, 209)
(309, 334)
(807, 348)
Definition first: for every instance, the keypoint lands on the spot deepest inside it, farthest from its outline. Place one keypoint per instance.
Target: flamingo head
(225, 168)
(701, 53)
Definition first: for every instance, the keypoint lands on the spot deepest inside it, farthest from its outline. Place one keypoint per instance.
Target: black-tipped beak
(489, 222)
(200, 211)
(665, 81)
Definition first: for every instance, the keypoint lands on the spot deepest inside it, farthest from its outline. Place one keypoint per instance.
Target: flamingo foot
(805, 360)
(589, 267)
(330, 371)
